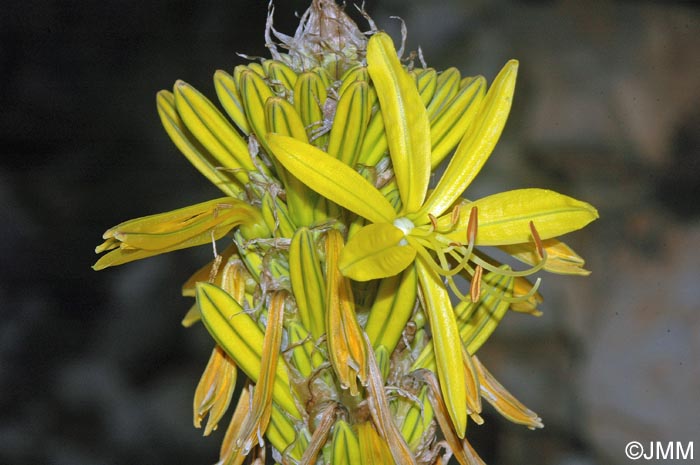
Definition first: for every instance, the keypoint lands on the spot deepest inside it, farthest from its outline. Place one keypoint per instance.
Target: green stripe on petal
(231, 100)
(331, 178)
(242, 339)
(309, 97)
(405, 119)
(191, 147)
(450, 126)
(213, 130)
(345, 448)
(351, 120)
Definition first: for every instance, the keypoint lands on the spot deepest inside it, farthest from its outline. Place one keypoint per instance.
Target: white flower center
(406, 226)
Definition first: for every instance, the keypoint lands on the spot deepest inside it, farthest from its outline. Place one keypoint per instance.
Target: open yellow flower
(399, 236)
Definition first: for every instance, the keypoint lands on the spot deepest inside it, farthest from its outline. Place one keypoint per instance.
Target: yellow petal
(504, 218)
(375, 144)
(191, 317)
(284, 434)
(376, 251)
(282, 118)
(186, 227)
(446, 344)
(214, 391)
(475, 147)
(561, 258)
(405, 120)
(331, 178)
(165, 229)
(473, 388)
(391, 309)
(305, 356)
(373, 449)
(522, 287)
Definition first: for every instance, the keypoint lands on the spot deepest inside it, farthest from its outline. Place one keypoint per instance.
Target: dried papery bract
(335, 294)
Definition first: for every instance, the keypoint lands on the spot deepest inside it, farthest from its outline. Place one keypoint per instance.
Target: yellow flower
(197, 224)
(325, 155)
(398, 236)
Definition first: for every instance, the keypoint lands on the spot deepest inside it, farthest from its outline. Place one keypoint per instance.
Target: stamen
(215, 266)
(455, 215)
(442, 268)
(472, 226)
(508, 272)
(475, 287)
(433, 221)
(522, 298)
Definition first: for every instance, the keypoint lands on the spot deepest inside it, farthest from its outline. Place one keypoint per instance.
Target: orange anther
(473, 225)
(475, 287)
(433, 221)
(455, 215)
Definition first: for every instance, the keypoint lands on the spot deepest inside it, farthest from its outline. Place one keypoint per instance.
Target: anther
(455, 215)
(538, 241)
(472, 226)
(215, 268)
(475, 286)
(433, 221)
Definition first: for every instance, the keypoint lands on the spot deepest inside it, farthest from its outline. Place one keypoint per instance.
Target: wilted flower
(335, 290)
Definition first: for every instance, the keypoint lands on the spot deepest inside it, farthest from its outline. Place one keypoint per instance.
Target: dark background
(95, 367)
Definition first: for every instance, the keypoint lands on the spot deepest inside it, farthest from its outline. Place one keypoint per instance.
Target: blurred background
(95, 367)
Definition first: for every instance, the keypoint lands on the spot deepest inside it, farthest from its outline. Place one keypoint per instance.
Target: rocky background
(95, 367)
